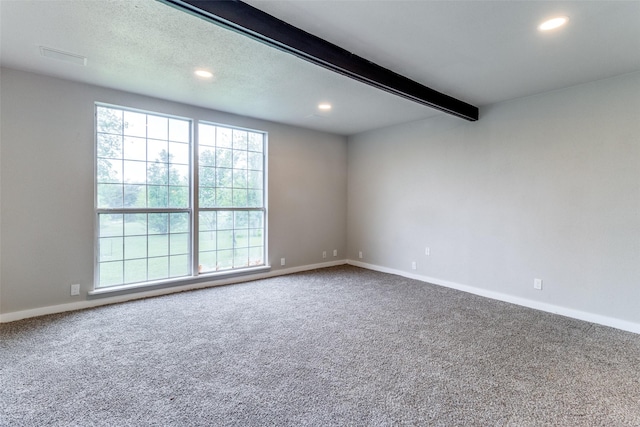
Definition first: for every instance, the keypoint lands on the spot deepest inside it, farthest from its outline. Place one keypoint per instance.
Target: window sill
(182, 281)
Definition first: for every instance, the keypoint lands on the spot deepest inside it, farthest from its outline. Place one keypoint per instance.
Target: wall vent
(63, 56)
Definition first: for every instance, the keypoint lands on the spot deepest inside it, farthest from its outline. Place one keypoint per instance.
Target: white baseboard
(537, 305)
(61, 308)
(550, 308)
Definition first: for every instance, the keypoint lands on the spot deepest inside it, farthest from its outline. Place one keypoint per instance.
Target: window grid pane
(230, 239)
(137, 161)
(136, 248)
(142, 162)
(231, 182)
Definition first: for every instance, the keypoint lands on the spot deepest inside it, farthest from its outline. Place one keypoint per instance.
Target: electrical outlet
(324, 254)
(360, 254)
(75, 290)
(537, 284)
(281, 261)
(427, 251)
(414, 266)
(335, 252)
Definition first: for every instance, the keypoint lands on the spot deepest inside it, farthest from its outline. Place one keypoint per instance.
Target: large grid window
(147, 205)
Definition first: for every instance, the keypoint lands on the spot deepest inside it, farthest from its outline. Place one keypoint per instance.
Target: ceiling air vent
(63, 56)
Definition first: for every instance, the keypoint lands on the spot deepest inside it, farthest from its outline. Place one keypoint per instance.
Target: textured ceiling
(480, 52)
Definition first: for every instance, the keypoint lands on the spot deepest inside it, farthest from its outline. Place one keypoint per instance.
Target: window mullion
(195, 203)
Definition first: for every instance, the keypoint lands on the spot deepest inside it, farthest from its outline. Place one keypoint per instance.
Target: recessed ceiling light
(553, 23)
(204, 74)
(324, 106)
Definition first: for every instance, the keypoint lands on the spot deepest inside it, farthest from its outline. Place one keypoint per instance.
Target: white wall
(46, 181)
(545, 187)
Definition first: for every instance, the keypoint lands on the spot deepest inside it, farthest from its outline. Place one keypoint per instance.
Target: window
(231, 180)
(147, 204)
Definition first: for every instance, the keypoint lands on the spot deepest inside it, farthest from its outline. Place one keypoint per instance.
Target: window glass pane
(135, 124)
(239, 139)
(254, 180)
(109, 171)
(135, 270)
(178, 197)
(157, 196)
(241, 258)
(157, 151)
(240, 238)
(110, 225)
(224, 197)
(207, 176)
(208, 221)
(158, 223)
(135, 172)
(207, 262)
(225, 260)
(240, 197)
(179, 130)
(109, 146)
(158, 268)
(241, 219)
(256, 256)
(158, 127)
(158, 173)
(255, 219)
(158, 245)
(109, 196)
(178, 174)
(207, 156)
(135, 196)
(207, 197)
(254, 198)
(225, 239)
(178, 243)
(111, 273)
(207, 241)
(135, 148)
(224, 158)
(255, 237)
(179, 222)
(255, 141)
(135, 224)
(111, 248)
(206, 134)
(224, 177)
(225, 220)
(135, 247)
(109, 120)
(179, 153)
(239, 178)
(254, 161)
(178, 265)
(223, 137)
(239, 159)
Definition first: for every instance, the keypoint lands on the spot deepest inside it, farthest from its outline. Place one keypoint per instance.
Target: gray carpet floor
(337, 346)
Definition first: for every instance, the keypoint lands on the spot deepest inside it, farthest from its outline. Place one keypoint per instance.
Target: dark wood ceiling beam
(247, 20)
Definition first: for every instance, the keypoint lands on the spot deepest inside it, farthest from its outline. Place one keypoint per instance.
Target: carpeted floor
(338, 346)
